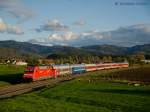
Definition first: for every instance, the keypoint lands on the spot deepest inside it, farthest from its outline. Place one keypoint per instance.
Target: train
(35, 73)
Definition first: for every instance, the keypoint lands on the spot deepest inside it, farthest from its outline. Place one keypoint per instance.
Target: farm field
(82, 95)
(140, 74)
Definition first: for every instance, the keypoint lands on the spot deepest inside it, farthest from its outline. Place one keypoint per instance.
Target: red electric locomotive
(39, 72)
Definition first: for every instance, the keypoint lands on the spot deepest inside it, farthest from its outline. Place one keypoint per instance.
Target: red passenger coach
(119, 65)
(124, 65)
(111, 65)
(90, 67)
(39, 72)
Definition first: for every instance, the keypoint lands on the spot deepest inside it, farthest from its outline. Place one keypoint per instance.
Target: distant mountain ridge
(28, 48)
(20, 48)
(106, 49)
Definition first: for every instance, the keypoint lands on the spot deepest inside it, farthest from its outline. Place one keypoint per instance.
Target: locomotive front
(28, 73)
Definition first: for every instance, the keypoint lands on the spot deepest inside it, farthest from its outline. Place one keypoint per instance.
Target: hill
(106, 49)
(145, 49)
(14, 48)
(23, 48)
(7, 52)
(118, 50)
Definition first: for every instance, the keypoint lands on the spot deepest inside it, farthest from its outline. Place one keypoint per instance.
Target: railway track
(18, 89)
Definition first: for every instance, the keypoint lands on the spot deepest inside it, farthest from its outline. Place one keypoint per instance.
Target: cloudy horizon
(76, 23)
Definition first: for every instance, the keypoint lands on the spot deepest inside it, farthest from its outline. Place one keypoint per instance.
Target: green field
(10, 74)
(80, 95)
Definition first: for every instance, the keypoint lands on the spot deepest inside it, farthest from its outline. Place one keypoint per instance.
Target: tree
(104, 59)
(109, 59)
(136, 59)
(119, 59)
(31, 60)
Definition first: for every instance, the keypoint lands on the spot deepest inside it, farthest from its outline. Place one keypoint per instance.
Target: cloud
(41, 41)
(52, 25)
(3, 26)
(93, 34)
(56, 39)
(123, 36)
(14, 30)
(11, 29)
(130, 36)
(69, 38)
(79, 23)
(14, 8)
(141, 27)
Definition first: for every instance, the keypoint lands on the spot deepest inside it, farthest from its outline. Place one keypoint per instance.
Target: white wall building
(21, 63)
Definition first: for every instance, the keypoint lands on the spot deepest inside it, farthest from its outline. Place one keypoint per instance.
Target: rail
(14, 90)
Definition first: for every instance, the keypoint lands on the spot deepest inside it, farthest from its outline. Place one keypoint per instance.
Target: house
(21, 63)
(146, 61)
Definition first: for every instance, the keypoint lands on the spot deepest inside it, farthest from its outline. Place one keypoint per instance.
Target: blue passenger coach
(78, 68)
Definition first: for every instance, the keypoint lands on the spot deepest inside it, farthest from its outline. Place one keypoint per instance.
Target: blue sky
(69, 21)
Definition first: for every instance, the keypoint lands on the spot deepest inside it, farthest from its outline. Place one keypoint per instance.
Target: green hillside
(21, 49)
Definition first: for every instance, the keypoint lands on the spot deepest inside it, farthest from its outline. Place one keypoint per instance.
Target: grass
(82, 96)
(10, 74)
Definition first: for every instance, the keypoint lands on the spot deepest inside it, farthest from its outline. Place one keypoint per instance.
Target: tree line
(78, 59)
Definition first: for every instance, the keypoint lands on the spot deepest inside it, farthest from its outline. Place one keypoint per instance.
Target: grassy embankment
(10, 74)
(80, 95)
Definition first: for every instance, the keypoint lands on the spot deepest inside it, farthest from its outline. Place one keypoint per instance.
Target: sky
(76, 22)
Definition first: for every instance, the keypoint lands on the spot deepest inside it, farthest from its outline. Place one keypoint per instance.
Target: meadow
(82, 95)
(10, 74)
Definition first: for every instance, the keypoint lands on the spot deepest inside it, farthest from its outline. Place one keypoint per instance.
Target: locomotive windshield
(29, 69)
